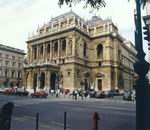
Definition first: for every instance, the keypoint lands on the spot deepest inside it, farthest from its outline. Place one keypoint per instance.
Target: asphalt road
(114, 114)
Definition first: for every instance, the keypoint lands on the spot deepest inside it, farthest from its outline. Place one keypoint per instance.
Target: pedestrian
(73, 94)
(76, 95)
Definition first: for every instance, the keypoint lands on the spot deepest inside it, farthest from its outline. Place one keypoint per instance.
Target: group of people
(55, 92)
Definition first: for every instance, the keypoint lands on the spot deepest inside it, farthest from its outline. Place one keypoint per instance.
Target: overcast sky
(18, 18)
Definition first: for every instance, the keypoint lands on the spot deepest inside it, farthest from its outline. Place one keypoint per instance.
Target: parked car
(41, 94)
(21, 92)
(9, 91)
(115, 92)
(100, 94)
(108, 94)
(2, 90)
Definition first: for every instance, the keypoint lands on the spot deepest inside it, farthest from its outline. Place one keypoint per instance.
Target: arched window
(56, 47)
(48, 48)
(42, 80)
(35, 52)
(99, 51)
(41, 50)
(64, 45)
(85, 50)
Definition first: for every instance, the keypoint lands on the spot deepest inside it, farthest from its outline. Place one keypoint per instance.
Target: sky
(19, 18)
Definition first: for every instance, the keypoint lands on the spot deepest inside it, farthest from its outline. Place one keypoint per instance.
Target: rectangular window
(0, 55)
(12, 74)
(13, 57)
(6, 73)
(13, 64)
(7, 56)
(0, 72)
(7, 63)
(68, 73)
(19, 65)
(19, 58)
(0, 62)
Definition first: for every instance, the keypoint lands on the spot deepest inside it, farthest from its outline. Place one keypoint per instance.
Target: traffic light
(146, 32)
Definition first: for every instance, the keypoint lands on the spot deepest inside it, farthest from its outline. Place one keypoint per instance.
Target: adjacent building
(11, 66)
(71, 53)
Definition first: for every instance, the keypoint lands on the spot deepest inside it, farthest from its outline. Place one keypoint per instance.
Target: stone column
(37, 53)
(31, 80)
(44, 52)
(58, 48)
(47, 80)
(66, 46)
(51, 50)
(31, 60)
(38, 81)
(73, 45)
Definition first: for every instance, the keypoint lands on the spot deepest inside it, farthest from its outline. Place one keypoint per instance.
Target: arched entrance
(42, 80)
(53, 81)
(34, 81)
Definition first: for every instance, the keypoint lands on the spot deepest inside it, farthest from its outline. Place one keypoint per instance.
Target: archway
(53, 81)
(42, 80)
(34, 81)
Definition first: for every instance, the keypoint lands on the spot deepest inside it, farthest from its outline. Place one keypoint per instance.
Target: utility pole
(141, 68)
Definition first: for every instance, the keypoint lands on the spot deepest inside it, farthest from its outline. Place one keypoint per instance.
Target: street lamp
(142, 86)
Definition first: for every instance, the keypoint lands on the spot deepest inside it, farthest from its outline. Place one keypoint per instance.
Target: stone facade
(11, 66)
(71, 53)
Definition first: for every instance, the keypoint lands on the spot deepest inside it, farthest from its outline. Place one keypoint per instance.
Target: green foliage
(94, 4)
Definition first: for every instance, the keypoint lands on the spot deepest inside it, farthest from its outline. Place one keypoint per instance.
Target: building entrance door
(42, 80)
(99, 84)
(86, 85)
(53, 81)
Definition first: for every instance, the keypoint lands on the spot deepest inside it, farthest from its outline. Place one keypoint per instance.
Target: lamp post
(142, 86)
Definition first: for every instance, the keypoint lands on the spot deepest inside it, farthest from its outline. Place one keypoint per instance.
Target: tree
(94, 4)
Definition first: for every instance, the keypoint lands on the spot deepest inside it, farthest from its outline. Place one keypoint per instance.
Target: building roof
(12, 49)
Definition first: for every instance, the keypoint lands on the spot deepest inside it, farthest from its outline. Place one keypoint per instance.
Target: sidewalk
(118, 99)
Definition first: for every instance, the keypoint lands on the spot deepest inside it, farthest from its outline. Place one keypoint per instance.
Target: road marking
(117, 108)
(57, 123)
(105, 107)
(29, 117)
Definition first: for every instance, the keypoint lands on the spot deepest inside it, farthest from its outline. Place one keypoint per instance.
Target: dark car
(40, 94)
(21, 92)
(9, 91)
(115, 92)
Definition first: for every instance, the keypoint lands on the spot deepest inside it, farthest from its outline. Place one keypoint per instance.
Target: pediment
(99, 75)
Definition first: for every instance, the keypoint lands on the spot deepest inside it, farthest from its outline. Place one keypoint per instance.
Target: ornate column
(51, 50)
(47, 80)
(31, 57)
(73, 45)
(44, 52)
(38, 81)
(58, 48)
(37, 53)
